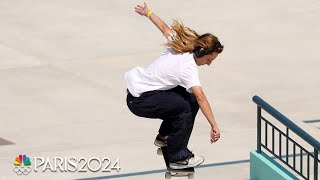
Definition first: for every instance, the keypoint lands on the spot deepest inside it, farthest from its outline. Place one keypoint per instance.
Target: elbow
(201, 97)
(165, 29)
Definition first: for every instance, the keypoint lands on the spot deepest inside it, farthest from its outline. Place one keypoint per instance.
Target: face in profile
(207, 59)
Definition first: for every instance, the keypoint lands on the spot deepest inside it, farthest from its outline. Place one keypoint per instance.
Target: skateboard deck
(187, 172)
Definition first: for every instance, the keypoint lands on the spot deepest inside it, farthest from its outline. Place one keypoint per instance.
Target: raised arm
(161, 25)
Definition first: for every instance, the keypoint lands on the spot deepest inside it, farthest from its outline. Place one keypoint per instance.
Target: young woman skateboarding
(169, 88)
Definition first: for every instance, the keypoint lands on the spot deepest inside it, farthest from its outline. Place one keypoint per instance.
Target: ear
(199, 52)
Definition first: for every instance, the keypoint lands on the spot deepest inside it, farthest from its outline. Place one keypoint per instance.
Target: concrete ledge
(262, 167)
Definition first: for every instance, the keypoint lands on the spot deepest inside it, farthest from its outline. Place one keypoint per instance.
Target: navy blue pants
(177, 108)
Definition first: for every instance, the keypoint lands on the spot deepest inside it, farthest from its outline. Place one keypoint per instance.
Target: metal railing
(312, 157)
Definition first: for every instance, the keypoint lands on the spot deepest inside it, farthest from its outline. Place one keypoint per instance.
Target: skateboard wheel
(167, 175)
(159, 151)
(190, 176)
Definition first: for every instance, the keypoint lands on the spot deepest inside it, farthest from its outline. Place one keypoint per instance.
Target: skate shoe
(189, 162)
(160, 141)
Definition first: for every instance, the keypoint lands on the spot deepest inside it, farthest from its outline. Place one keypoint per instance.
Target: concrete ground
(62, 88)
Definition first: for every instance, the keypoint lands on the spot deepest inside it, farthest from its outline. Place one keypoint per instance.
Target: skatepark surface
(62, 89)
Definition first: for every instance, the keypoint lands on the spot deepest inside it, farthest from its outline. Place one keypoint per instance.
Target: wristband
(149, 13)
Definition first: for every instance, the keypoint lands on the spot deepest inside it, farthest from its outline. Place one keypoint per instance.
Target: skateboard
(187, 172)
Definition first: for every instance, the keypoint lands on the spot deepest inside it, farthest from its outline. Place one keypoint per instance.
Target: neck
(195, 59)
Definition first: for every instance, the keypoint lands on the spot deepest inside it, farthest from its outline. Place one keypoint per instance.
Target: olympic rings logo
(22, 170)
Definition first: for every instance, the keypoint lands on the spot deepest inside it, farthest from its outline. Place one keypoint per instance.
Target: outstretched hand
(143, 11)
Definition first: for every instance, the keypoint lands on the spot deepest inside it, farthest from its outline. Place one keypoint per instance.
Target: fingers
(138, 7)
(214, 137)
(138, 10)
(142, 10)
(215, 134)
(213, 140)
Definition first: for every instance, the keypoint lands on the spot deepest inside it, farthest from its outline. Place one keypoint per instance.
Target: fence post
(316, 161)
(259, 130)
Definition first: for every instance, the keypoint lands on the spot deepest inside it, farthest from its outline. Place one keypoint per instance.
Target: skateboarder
(169, 88)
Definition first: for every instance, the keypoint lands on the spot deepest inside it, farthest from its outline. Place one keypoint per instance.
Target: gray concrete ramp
(62, 88)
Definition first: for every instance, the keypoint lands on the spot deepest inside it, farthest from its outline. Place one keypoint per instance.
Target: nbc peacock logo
(22, 165)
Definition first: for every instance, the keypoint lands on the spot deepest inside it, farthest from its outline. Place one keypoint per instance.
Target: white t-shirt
(168, 71)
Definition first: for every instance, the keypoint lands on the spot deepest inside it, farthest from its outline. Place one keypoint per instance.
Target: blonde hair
(187, 40)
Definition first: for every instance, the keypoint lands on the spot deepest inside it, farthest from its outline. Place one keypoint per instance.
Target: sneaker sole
(185, 166)
(159, 144)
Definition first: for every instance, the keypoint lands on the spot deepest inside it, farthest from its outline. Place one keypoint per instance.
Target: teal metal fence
(285, 137)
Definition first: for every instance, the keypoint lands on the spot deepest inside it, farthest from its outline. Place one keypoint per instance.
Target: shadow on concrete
(5, 142)
(164, 170)
(312, 121)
